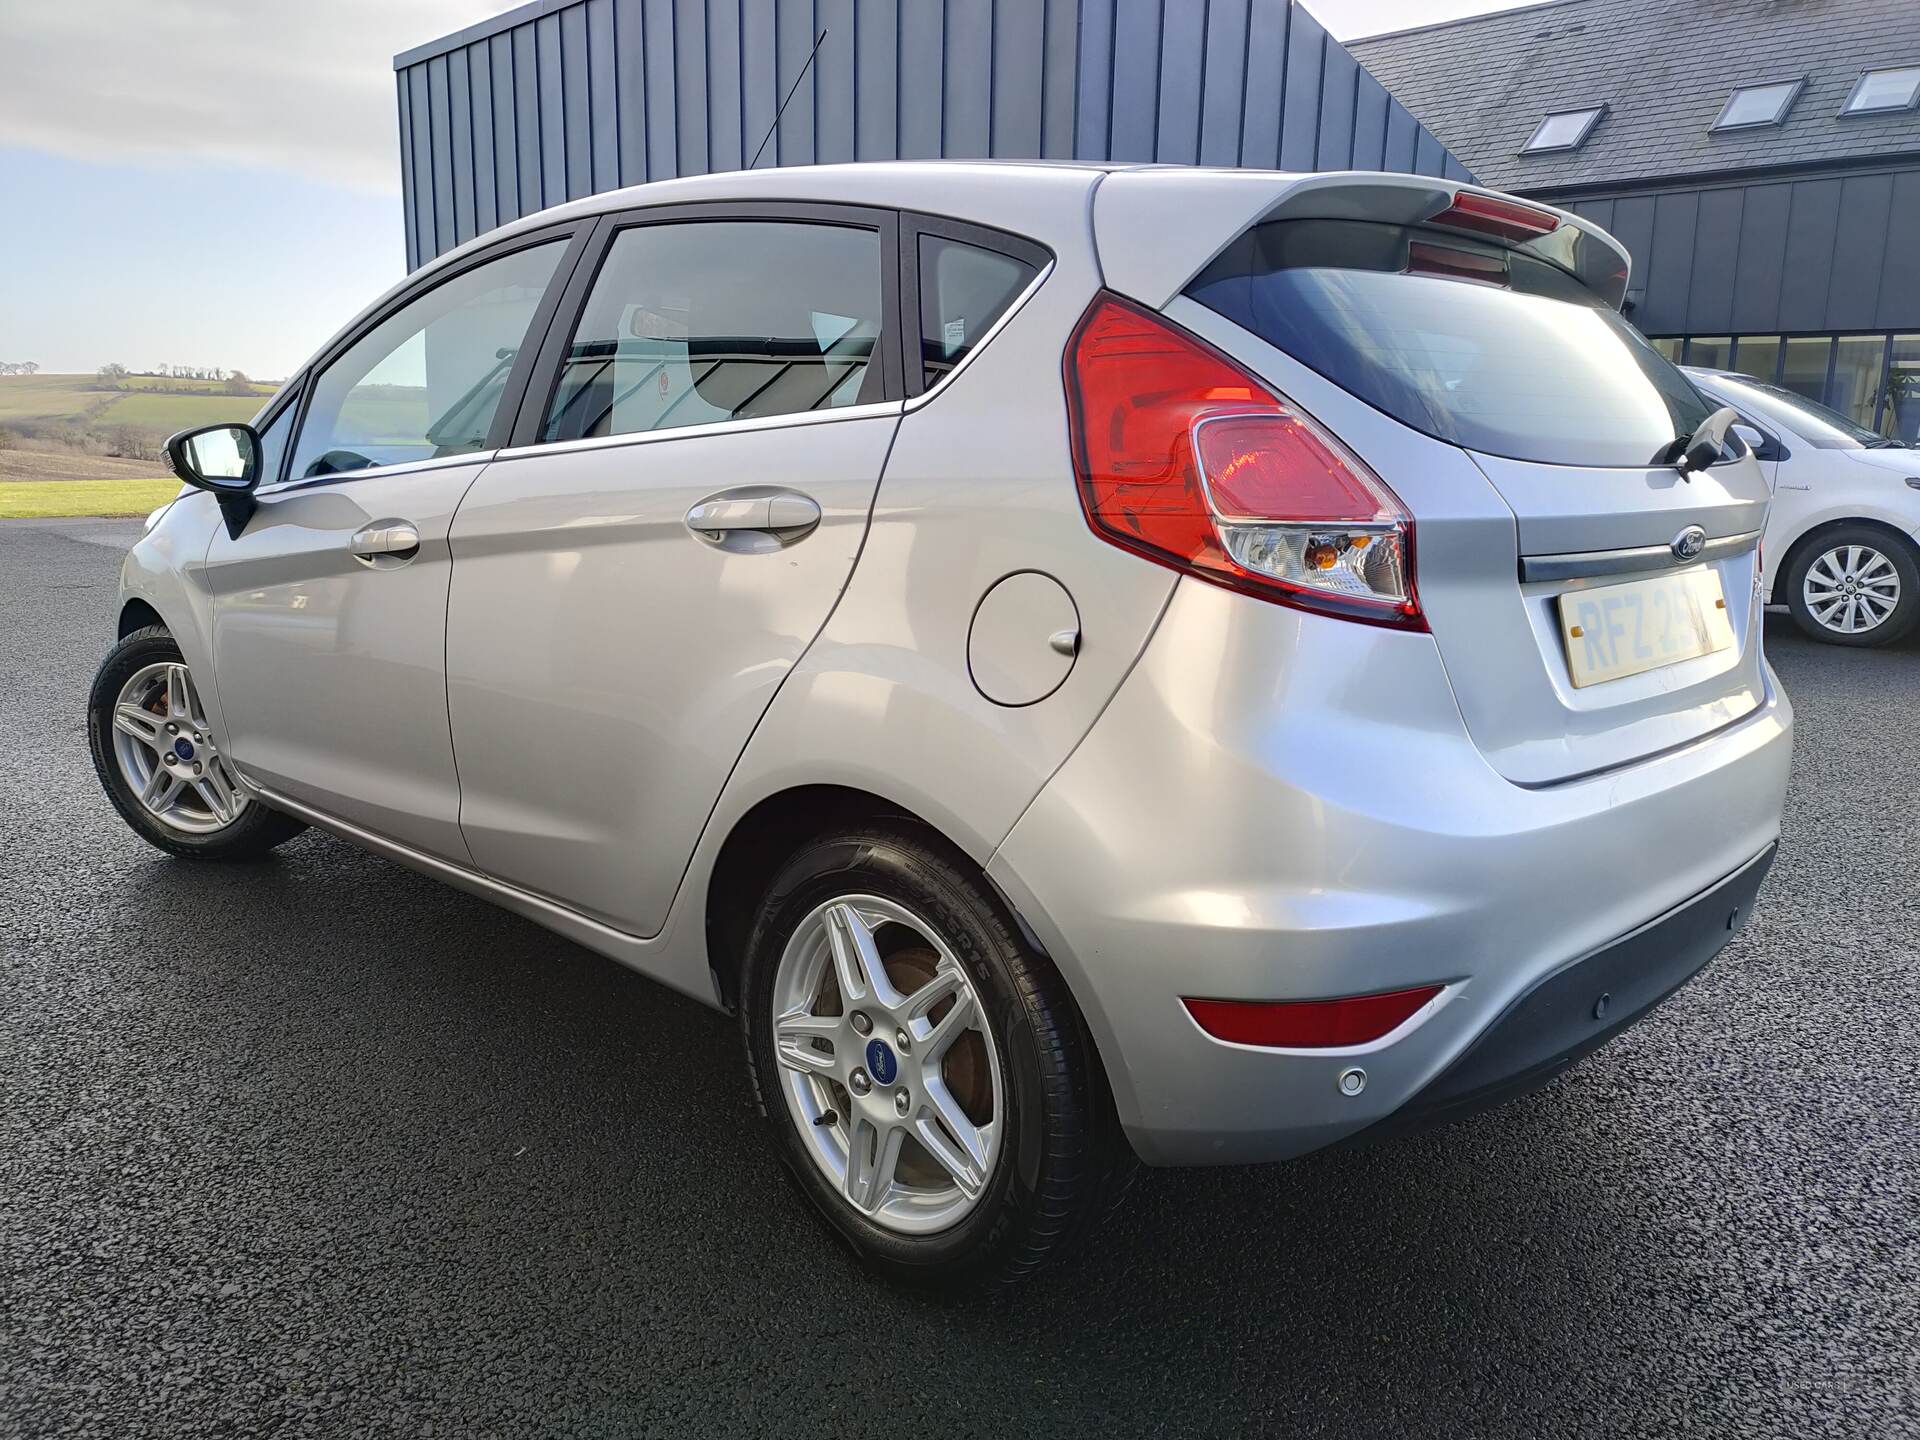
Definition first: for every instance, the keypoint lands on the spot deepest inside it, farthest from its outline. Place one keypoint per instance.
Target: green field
(158, 411)
(149, 403)
(40, 499)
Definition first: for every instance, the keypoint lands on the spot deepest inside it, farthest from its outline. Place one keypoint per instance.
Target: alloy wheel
(167, 754)
(1851, 589)
(887, 1066)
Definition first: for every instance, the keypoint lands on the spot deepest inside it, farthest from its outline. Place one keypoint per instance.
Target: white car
(1843, 539)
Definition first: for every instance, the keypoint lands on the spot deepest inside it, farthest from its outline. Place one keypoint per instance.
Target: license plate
(1615, 631)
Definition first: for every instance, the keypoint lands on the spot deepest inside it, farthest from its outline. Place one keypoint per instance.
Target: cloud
(299, 85)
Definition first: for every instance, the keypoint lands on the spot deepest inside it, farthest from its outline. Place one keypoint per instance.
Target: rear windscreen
(1471, 343)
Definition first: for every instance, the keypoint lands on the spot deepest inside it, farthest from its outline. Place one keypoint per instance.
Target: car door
(689, 485)
(329, 606)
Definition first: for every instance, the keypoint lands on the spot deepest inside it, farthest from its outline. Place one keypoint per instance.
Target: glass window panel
(1757, 105)
(1859, 363)
(1805, 369)
(963, 290)
(696, 322)
(273, 442)
(1758, 356)
(1566, 130)
(1669, 348)
(1885, 90)
(426, 381)
(1710, 353)
(1902, 418)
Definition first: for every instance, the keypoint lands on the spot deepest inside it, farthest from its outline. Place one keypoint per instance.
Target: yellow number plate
(1619, 630)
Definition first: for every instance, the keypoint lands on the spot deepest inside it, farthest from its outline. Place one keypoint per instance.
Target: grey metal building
(562, 98)
(1760, 158)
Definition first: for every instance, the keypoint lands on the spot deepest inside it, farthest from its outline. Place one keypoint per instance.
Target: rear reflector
(1309, 1024)
(1186, 458)
(1497, 216)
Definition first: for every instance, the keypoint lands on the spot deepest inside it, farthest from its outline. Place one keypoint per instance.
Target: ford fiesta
(1092, 665)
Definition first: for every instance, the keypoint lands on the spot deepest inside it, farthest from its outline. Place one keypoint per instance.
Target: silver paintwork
(857, 1132)
(1221, 797)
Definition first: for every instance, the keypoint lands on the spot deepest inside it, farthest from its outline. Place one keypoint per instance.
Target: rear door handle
(737, 515)
(385, 544)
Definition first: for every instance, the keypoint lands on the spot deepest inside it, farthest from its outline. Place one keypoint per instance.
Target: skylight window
(1564, 130)
(1755, 105)
(1878, 91)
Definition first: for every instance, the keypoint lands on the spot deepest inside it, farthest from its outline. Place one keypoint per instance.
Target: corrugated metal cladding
(1771, 257)
(563, 98)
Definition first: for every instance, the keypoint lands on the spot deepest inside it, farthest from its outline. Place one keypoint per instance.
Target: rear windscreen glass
(1474, 344)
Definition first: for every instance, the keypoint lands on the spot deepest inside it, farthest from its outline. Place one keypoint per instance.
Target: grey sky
(215, 181)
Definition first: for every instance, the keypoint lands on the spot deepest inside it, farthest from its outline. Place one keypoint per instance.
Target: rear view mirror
(222, 458)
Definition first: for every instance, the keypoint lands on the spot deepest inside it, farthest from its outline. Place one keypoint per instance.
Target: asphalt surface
(317, 1146)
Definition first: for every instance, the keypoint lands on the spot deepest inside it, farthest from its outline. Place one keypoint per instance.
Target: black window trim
(914, 224)
(1721, 126)
(576, 232)
(525, 433)
(1848, 109)
(1595, 113)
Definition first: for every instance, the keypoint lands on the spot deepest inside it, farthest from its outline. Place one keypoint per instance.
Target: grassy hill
(152, 407)
(70, 445)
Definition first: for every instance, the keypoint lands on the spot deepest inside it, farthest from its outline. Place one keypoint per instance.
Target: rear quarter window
(1473, 344)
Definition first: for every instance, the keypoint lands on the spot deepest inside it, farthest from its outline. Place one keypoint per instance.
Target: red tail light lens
(1497, 216)
(1309, 1024)
(1187, 459)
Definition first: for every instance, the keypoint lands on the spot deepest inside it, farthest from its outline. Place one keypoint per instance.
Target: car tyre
(197, 831)
(1886, 563)
(1059, 1160)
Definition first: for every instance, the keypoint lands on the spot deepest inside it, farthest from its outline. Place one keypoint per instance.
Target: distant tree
(238, 383)
(30, 367)
(112, 375)
(7, 367)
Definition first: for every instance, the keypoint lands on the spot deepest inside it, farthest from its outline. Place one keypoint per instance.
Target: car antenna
(783, 104)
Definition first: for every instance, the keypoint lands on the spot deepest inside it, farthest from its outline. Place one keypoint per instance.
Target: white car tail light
(1187, 459)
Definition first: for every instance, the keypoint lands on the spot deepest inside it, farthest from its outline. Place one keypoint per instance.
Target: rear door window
(702, 321)
(1474, 344)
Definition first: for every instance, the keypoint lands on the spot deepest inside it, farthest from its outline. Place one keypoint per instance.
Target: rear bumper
(1569, 1014)
(1279, 806)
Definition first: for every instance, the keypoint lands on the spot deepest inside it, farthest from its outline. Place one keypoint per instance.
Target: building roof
(1663, 69)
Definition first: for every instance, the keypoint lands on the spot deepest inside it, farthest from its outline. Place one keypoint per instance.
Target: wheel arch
(137, 614)
(1811, 536)
(777, 825)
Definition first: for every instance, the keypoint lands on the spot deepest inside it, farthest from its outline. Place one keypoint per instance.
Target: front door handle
(735, 519)
(385, 544)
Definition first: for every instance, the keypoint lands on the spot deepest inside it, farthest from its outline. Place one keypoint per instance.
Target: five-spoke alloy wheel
(1855, 585)
(888, 1069)
(926, 1076)
(160, 762)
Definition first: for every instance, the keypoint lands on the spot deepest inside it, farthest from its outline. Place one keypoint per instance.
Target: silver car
(1090, 664)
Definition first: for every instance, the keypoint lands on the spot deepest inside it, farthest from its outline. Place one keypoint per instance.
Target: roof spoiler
(1145, 257)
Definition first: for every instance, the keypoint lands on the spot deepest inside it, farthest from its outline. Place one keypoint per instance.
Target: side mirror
(222, 458)
(1752, 438)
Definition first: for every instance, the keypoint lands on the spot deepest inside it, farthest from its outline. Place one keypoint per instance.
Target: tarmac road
(318, 1146)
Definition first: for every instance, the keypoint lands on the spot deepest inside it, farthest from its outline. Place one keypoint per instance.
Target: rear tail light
(1497, 216)
(1187, 459)
(1309, 1024)
(1448, 263)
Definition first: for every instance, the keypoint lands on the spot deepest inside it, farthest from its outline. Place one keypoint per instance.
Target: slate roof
(1663, 68)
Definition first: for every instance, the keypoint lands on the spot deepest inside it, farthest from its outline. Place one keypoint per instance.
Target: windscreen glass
(1469, 342)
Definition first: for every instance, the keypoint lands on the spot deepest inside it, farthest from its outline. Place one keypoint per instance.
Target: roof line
(1460, 20)
(1719, 179)
(492, 25)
